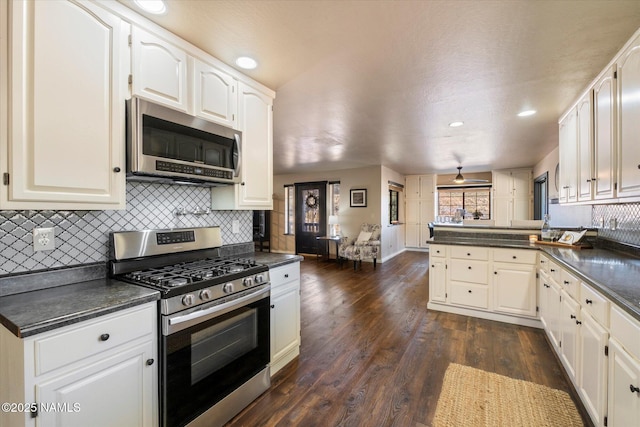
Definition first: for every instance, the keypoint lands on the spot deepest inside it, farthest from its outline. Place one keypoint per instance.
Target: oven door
(209, 359)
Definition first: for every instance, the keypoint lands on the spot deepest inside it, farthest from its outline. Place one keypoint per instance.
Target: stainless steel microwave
(165, 145)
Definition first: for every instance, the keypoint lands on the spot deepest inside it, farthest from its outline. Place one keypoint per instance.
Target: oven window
(218, 345)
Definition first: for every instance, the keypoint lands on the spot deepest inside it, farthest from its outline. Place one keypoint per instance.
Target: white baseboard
(515, 320)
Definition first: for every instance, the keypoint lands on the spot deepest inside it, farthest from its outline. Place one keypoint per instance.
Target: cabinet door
(522, 183)
(285, 321)
(553, 314)
(412, 211)
(427, 211)
(521, 208)
(628, 123)
(66, 146)
(544, 292)
(426, 187)
(514, 289)
(592, 372)
(502, 211)
(604, 136)
(437, 280)
(413, 187)
(569, 321)
(256, 124)
(159, 71)
(216, 96)
(425, 236)
(502, 184)
(624, 379)
(568, 157)
(412, 235)
(118, 390)
(585, 152)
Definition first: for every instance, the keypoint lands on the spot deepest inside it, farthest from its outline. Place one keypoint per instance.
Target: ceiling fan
(459, 179)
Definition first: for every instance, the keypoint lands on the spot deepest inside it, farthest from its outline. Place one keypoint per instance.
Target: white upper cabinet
(255, 191)
(160, 70)
(66, 89)
(628, 123)
(512, 195)
(215, 93)
(568, 157)
(585, 150)
(604, 93)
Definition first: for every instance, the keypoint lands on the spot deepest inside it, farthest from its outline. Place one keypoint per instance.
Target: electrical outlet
(235, 226)
(44, 239)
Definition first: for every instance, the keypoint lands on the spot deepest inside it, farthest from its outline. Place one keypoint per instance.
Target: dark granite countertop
(273, 260)
(613, 273)
(30, 313)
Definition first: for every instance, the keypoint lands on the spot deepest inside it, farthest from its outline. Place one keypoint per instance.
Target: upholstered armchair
(365, 246)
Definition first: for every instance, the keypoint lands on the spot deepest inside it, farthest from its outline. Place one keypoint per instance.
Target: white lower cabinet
(285, 315)
(493, 283)
(592, 372)
(514, 288)
(624, 387)
(99, 372)
(624, 370)
(569, 323)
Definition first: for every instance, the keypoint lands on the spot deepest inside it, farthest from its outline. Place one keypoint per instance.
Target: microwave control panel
(162, 166)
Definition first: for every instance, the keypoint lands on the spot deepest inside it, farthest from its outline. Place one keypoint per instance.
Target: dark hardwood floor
(372, 355)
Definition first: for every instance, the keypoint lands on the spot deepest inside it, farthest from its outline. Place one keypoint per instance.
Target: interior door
(311, 209)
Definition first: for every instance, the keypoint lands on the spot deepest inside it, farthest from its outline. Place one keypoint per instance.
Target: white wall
(392, 235)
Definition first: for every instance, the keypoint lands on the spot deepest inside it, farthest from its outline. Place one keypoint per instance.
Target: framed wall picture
(359, 198)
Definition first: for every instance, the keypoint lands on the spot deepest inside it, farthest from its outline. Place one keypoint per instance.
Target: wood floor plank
(373, 355)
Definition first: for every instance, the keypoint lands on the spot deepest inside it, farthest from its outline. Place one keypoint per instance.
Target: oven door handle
(178, 323)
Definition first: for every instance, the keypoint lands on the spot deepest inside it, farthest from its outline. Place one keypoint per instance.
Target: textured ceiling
(364, 83)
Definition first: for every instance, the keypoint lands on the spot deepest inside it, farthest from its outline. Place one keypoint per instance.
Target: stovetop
(187, 277)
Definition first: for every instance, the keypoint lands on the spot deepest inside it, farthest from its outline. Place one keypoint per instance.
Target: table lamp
(333, 222)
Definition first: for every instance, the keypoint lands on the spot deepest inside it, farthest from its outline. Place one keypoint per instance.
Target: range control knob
(247, 282)
(205, 295)
(227, 288)
(188, 299)
(259, 278)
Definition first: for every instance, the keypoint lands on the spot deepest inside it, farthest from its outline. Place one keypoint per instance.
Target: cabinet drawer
(469, 271)
(286, 273)
(515, 256)
(437, 251)
(626, 330)
(554, 272)
(543, 263)
(470, 295)
(570, 284)
(469, 252)
(89, 338)
(595, 304)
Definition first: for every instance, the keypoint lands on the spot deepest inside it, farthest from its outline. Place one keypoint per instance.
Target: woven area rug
(475, 398)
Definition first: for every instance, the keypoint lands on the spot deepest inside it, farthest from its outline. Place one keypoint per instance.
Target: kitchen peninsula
(587, 301)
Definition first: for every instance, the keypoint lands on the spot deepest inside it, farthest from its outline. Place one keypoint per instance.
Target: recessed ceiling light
(246, 63)
(157, 7)
(455, 124)
(526, 113)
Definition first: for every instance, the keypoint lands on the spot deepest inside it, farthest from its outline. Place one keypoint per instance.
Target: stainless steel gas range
(214, 321)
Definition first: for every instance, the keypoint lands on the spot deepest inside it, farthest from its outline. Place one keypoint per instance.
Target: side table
(326, 240)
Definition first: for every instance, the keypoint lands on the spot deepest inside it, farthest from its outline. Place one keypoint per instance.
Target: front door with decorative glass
(311, 208)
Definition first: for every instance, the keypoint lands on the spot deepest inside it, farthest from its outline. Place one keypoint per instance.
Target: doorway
(541, 196)
(311, 209)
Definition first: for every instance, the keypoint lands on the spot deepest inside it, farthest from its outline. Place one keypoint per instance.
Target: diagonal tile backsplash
(618, 222)
(82, 236)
